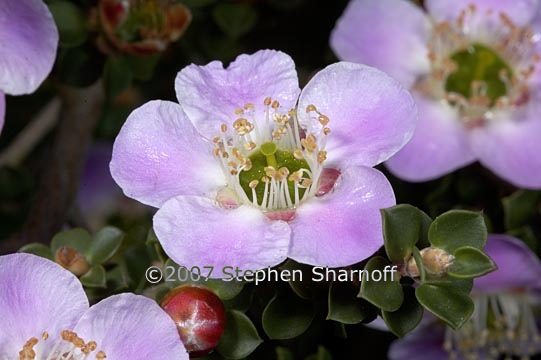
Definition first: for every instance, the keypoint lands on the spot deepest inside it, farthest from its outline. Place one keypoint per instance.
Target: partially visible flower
(28, 39)
(44, 314)
(143, 27)
(503, 321)
(474, 68)
(245, 176)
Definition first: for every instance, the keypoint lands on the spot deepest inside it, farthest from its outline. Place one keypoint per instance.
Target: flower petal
(194, 231)
(423, 343)
(371, 115)
(343, 227)
(28, 39)
(520, 11)
(438, 146)
(388, 34)
(129, 326)
(210, 94)
(510, 146)
(518, 266)
(158, 154)
(36, 295)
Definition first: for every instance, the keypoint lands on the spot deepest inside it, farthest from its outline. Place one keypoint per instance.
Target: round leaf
(470, 263)
(95, 277)
(38, 249)
(71, 23)
(344, 306)
(287, 316)
(458, 228)
(447, 303)
(240, 337)
(401, 230)
(407, 317)
(235, 19)
(386, 295)
(104, 245)
(78, 239)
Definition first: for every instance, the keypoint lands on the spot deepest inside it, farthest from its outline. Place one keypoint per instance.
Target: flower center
(480, 63)
(500, 324)
(479, 71)
(270, 161)
(68, 347)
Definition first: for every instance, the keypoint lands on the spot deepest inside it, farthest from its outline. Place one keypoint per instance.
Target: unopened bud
(436, 262)
(72, 260)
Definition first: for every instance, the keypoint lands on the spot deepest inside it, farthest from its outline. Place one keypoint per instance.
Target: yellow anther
(326, 131)
(232, 164)
(306, 182)
(216, 152)
(223, 127)
(216, 139)
(267, 101)
(100, 355)
(321, 156)
(253, 184)
(270, 171)
(265, 179)
(247, 164)
(297, 154)
(249, 106)
(45, 335)
(239, 111)
(323, 120)
(311, 108)
(225, 154)
(275, 104)
(250, 145)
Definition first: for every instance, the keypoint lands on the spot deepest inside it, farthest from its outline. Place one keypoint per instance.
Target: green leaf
(419, 263)
(407, 317)
(470, 263)
(95, 277)
(457, 228)
(446, 302)
(142, 67)
(303, 285)
(521, 208)
(283, 353)
(78, 239)
(386, 295)
(426, 221)
(287, 316)
(240, 336)
(235, 19)
(344, 306)
(117, 76)
(104, 245)
(71, 23)
(38, 249)
(401, 230)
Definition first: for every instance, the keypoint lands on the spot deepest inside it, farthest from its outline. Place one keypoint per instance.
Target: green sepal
(38, 249)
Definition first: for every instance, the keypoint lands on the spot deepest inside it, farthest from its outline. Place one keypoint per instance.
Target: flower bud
(436, 262)
(72, 260)
(199, 315)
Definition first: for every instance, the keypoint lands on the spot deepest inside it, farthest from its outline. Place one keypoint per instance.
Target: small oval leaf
(470, 263)
(458, 228)
(384, 293)
(240, 336)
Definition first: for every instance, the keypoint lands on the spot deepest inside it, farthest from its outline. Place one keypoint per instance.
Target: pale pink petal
(343, 227)
(158, 154)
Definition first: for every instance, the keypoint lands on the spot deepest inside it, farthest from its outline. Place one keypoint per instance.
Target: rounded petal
(194, 231)
(210, 94)
(2, 110)
(520, 11)
(391, 35)
(518, 266)
(158, 154)
(28, 39)
(36, 296)
(438, 146)
(129, 326)
(371, 115)
(510, 146)
(343, 227)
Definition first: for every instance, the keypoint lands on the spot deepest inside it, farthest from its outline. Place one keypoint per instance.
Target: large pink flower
(28, 39)
(473, 66)
(247, 173)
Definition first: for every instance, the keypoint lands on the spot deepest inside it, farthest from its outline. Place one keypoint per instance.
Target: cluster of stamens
(512, 44)
(501, 324)
(69, 347)
(292, 156)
